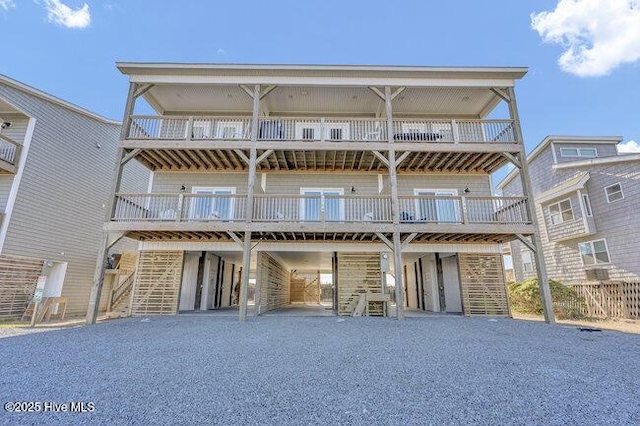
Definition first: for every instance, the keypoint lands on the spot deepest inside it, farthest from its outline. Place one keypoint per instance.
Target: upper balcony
(326, 118)
(212, 142)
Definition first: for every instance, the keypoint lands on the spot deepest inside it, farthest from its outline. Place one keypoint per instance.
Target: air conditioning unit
(597, 274)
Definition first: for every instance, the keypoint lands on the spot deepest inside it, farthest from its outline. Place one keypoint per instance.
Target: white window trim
(200, 123)
(573, 213)
(578, 153)
(316, 126)
(237, 125)
(303, 191)
(214, 189)
(439, 192)
(606, 194)
(586, 203)
(593, 252)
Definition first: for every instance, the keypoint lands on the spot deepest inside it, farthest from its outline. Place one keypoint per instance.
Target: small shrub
(525, 297)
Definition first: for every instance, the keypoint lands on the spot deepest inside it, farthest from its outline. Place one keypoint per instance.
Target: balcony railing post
(180, 208)
(323, 126)
(463, 201)
(454, 131)
(190, 129)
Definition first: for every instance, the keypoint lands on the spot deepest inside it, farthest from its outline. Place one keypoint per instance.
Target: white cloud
(629, 147)
(597, 35)
(7, 4)
(61, 14)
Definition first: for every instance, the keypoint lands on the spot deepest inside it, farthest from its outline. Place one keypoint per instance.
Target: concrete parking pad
(201, 369)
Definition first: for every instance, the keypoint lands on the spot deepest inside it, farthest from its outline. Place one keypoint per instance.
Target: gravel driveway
(207, 369)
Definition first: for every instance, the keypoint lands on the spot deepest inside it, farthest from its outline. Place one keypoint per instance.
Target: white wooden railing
(320, 208)
(179, 207)
(9, 149)
(320, 129)
(463, 210)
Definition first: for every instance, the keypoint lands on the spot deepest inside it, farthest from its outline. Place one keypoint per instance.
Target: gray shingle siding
(616, 222)
(604, 150)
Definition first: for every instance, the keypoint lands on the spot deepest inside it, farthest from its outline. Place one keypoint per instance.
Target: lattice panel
(358, 273)
(157, 284)
(609, 300)
(273, 280)
(484, 290)
(18, 279)
(297, 291)
(129, 261)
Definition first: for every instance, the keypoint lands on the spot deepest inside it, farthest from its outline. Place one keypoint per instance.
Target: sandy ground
(616, 324)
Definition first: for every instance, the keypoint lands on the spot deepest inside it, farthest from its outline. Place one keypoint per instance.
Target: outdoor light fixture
(466, 190)
(5, 125)
(353, 189)
(183, 188)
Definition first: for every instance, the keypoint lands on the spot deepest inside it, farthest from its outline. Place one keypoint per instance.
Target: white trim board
(17, 179)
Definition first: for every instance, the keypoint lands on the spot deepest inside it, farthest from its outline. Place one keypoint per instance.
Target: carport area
(211, 369)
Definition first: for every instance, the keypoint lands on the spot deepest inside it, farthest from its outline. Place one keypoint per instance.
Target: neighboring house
(340, 170)
(55, 162)
(587, 199)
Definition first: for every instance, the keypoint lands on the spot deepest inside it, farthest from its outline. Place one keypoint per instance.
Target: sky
(583, 55)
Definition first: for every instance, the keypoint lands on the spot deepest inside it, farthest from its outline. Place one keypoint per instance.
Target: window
(614, 193)
(211, 204)
(229, 130)
(527, 261)
(322, 203)
(560, 212)
(594, 252)
(579, 152)
(201, 129)
(587, 205)
(437, 205)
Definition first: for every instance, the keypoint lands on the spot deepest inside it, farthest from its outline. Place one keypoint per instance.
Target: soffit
(321, 100)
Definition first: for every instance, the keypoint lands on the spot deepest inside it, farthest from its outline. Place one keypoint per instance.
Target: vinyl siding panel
(5, 187)
(291, 182)
(59, 209)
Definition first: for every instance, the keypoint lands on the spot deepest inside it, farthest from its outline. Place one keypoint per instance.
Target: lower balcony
(9, 154)
(324, 217)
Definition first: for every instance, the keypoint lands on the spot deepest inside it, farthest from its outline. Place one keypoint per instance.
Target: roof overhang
(559, 139)
(569, 186)
(620, 158)
(452, 91)
(55, 100)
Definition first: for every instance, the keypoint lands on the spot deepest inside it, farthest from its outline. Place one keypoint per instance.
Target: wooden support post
(98, 278)
(543, 280)
(244, 285)
(103, 251)
(395, 208)
(253, 157)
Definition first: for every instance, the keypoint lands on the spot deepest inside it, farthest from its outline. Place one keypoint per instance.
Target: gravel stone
(281, 370)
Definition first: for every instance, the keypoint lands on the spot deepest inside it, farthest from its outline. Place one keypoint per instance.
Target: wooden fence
(608, 300)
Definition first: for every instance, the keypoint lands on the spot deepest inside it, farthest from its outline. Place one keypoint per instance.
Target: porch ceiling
(191, 99)
(302, 237)
(335, 160)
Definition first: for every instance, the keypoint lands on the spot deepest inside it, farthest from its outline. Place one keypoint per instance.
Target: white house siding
(290, 183)
(59, 209)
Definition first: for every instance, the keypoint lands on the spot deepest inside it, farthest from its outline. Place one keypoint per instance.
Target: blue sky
(583, 55)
